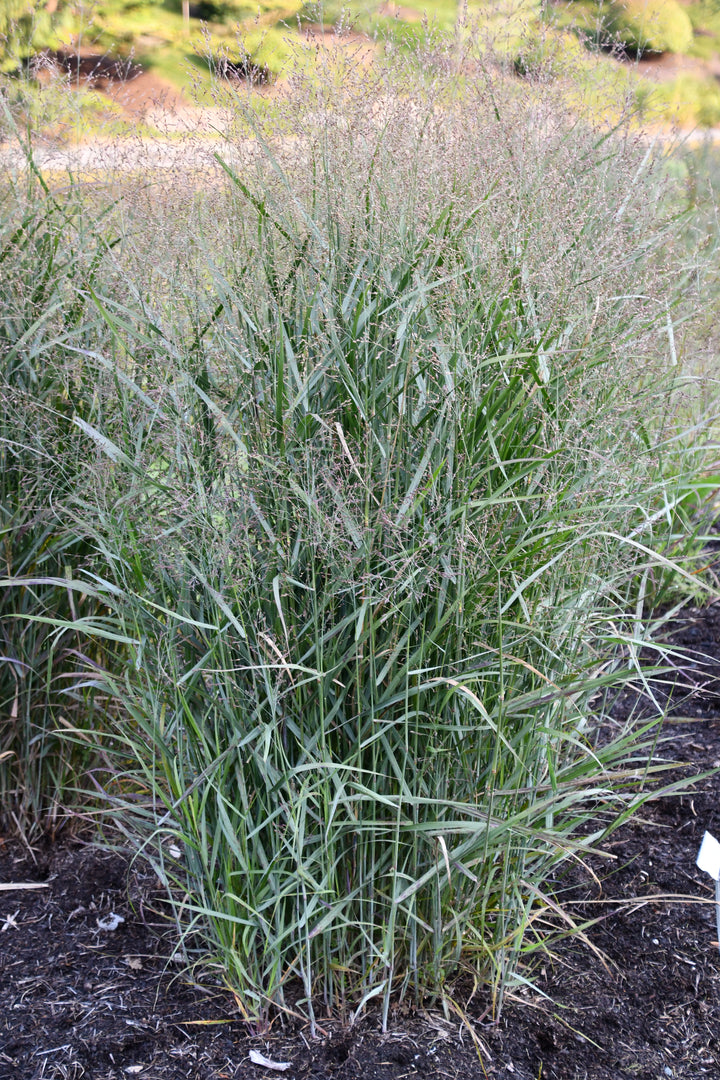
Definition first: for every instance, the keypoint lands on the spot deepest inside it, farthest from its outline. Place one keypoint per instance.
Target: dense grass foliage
(43, 248)
(364, 457)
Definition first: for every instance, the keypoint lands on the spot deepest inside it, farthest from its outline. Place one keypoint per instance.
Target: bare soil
(136, 89)
(79, 999)
(664, 67)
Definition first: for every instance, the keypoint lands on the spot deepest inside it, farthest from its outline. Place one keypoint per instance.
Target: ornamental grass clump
(373, 466)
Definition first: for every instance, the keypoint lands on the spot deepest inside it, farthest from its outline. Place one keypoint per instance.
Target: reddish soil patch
(339, 41)
(664, 67)
(78, 999)
(124, 81)
(146, 91)
(392, 10)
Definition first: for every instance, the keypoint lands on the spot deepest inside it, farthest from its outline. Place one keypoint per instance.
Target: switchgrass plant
(376, 455)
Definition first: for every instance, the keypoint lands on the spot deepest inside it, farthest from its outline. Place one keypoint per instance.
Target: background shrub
(651, 26)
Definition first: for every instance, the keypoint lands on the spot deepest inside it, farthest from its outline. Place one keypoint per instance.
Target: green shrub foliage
(651, 26)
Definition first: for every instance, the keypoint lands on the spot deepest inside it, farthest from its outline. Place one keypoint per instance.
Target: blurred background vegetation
(664, 52)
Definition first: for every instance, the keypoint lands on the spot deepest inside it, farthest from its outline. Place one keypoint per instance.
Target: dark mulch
(77, 1000)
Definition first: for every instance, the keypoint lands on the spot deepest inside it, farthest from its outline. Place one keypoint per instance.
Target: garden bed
(80, 999)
